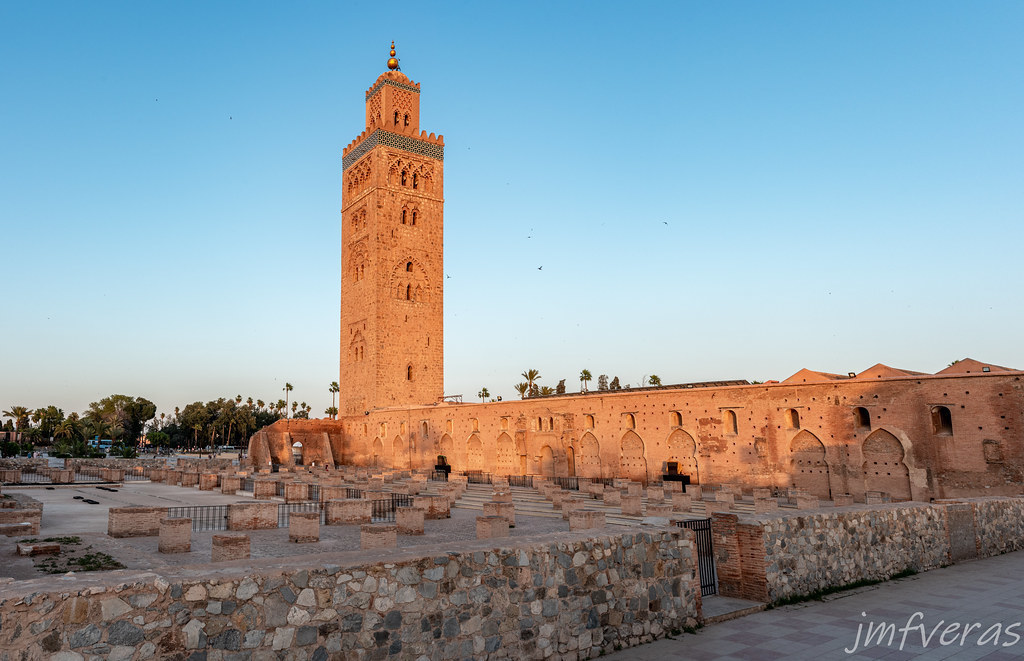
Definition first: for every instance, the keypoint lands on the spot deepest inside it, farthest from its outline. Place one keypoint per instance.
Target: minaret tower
(392, 213)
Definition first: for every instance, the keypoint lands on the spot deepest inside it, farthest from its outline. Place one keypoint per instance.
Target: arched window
(413, 216)
(630, 421)
(540, 424)
(403, 177)
(861, 418)
(504, 424)
(396, 118)
(407, 120)
(551, 424)
(677, 419)
(408, 267)
(475, 424)
(408, 373)
(403, 216)
(588, 421)
(408, 292)
(792, 419)
(730, 423)
(414, 178)
(942, 421)
(424, 426)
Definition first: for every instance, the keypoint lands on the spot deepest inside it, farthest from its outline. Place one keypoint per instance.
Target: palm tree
(287, 389)
(331, 411)
(335, 389)
(20, 414)
(259, 404)
(654, 380)
(483, 394)
(531, 376)
(585, 378)
(546, 390)
(522, 389)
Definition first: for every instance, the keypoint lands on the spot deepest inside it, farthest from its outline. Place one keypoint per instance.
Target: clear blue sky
(715, 190)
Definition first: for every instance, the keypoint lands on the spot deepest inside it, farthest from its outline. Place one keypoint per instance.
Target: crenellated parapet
(413, 141)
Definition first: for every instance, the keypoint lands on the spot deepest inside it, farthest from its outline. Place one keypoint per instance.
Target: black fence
(571, 483)
(607, 481)
(280, 489)
(204, 517)
(439, 476)
(284, 510)
(477, 477)
(383, 510)
(520, 480)
(248, 484)
(352, 492)
(314, 492)
(135, 474)
(705, 553)
(89, 474)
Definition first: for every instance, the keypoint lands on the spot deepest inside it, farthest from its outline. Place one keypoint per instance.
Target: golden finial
(393, 61)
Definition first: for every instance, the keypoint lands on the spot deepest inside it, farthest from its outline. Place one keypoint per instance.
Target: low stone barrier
(780, 554)
(437, 507)
(208, 481)
(252, 516)
(843, 499)
(632, 505)
(175, 536)
(612, 497)
(229, 547)
(655, 495)
(659, 509)
(296, 492)
(230, 484)
(807, 502)
(189, 479)
(764, 505)
(264, 489)
(614, 591)
(304, 527)
(585, 520)
(681, 501)
(570, 505)
(135, 521)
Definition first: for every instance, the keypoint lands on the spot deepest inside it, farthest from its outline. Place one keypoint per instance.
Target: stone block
(230, 485)
(876, 497)
(304, 527)
(175, 536)
(252, 516)
(42, 548)
(764, 505)
(135, 521)
(696, 493)
(725, 497)
(437, 507)
(10, 476)
(333, 492)
(409, 520)
(612, 496)
(672, 487)
(208, 481)
(348, 511)
(655, 495)
(502, 495)
(711, 506)
(506, 510)
(632, 505)
(491, 527)
(188, 479)
(634, 489)
(585, 520)
(659, 509)
(843, 499)
(378, 536)
(229, 547)
(762, 493)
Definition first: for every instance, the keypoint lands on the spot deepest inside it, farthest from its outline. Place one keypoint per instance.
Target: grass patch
(75, 559)
(819, 595)
(64, 540)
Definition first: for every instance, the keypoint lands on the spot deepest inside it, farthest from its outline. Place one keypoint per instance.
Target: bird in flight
(539, 267)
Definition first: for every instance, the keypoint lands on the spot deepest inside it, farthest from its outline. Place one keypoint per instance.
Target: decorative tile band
(388, 139)
(402, 86)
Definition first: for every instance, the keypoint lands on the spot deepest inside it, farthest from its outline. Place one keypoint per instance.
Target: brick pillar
(135, 521)
(659, 509)
(296, 492)
(843, 500)
(189, 479)
(229, 547)
(491, 527)
(378, 536)
(632, 506)
(612, 497)
(765, 505)
(409, 520)
(680, 501)
(208, 481)
(264, 489)
(304, 527)
(655, 495)
(348, 511)
(506, 510)
(634, 489)
(230, 485)
(583, 520)
(807, 502)
(570, 505)
(175, 535)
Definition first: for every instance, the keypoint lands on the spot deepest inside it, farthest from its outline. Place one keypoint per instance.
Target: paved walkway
(987, 592)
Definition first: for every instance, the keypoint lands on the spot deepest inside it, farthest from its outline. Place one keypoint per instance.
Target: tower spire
(393, 61)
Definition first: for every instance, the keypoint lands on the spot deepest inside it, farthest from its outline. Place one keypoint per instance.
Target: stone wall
(774, 556)
(565, 596)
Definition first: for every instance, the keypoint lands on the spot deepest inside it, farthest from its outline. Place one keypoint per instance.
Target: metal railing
(520, 480)
(382, 510)
(352, 492)
(477, 477)
(135, 474)
(248, 484)
(204, 517)
(705, 553)
(571, 483)
(314, 492)
(286, 509)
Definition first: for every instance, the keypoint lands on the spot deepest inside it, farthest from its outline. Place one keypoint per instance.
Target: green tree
(522, 389)
(545, 391)
(335, 389)
(20, 414)
(531, 376)
(560, 388)
(585, 378)
(655, 380)
(483, 394)
(614, 385)
(287, 389)
(602, 382)
(331, 412)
